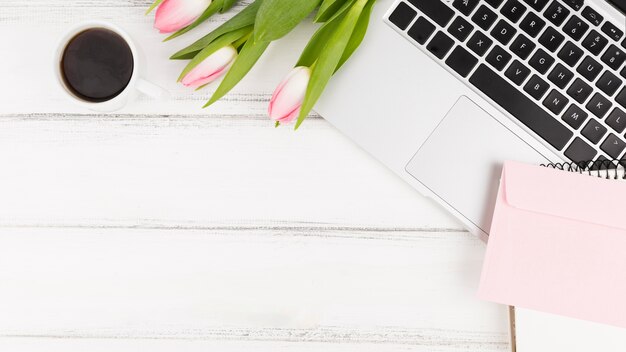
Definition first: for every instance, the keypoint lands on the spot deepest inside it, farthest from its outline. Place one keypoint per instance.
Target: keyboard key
(613, 57)
(592, 16)
(479, 43)
(484, 17)
(555, 102)
(556, 13)
(421, 30)
(595, 42)
(498, 57)
(541, 61)
(560, 76)
(461, 61)
(594, 131)
(598, 105)
(621, 98)
(612, 31)
(551, 39)
(623, 72)
(513, 10)
(575, 4)
(435, 10)
(522, 46)
(536, 87)
(465, 6)
(608, 83)
(538, 5)
(575, 116)
(570, 54)
(579, 91)
(494, 3)
(460, 29)
(589, 68)
(521, 107)
(503, 32)
(532, 24)
(580, 151)
(617, 120)
(440, 45)
(402, 15)
(613, 146)
(575, 27)
(517, 72)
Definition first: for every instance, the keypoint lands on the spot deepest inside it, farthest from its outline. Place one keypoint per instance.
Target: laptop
(442, 92)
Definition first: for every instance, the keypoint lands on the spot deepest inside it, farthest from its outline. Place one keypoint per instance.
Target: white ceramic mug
(136, 83)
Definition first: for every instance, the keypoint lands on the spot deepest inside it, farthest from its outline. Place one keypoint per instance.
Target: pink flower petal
(207, 79)
(173, 15)
(290, 117)
(287, 99)
(211, 68)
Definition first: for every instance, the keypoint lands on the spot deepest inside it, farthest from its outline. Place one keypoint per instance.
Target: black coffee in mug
(97, 65)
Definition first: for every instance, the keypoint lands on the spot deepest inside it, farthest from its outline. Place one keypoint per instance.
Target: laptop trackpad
(461, 160)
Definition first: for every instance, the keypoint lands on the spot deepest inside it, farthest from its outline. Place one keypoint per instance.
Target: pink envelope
(558, 244)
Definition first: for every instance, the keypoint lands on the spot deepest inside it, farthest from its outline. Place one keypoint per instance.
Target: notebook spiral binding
(604, 168)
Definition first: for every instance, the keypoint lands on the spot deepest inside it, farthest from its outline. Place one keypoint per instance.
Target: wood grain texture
(290, 283)
(139, 170)
(168, 227)
(243, 345)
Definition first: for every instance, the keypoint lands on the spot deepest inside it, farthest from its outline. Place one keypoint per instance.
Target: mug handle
(152, 90)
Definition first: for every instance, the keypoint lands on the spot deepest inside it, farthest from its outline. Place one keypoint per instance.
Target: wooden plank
(13, 11)
(20, 6)
(195, 345)
(173, 170)
(290, 283)
(33, 89)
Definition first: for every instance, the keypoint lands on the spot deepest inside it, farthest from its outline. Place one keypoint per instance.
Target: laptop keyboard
(556, 67)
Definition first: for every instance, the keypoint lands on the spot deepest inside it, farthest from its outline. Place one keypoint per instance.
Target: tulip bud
(288, 97)
(173, 15)
(211, 68)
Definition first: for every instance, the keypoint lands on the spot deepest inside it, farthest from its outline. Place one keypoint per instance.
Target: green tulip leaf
(276, 18)
(327, 9)
(358, 34)
(329, 58)
(242, 19)
(248, 56)
(153, 6)
(317, 43)
(210, 11)
(227, 5)
(217, 44)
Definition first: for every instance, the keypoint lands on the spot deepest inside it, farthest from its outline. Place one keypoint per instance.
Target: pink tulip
(211, 68)
(173, 15)
(288, 97)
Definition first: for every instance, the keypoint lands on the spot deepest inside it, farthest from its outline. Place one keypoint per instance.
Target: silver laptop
(442, 92)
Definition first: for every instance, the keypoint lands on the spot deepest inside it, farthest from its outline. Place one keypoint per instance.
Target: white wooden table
(165, 227)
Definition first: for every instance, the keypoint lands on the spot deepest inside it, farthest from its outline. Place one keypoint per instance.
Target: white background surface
(165, 227)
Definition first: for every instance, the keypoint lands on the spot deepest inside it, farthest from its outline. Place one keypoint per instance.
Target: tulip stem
(153, 6)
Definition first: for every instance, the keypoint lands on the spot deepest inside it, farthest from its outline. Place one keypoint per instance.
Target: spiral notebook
(557, 247)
